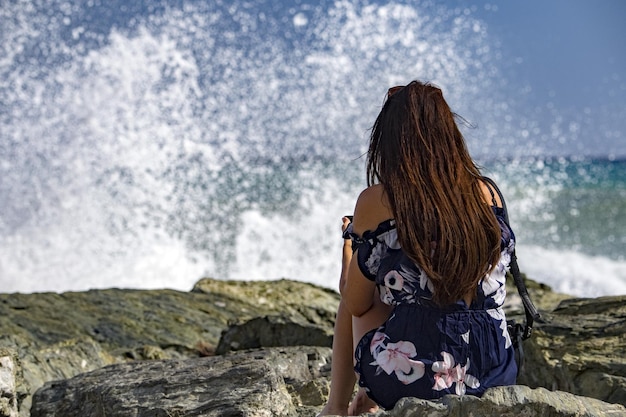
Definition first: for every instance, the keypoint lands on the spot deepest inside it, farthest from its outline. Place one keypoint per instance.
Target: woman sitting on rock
(424, 264)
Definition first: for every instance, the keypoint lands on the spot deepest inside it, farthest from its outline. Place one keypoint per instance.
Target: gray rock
(269, 331)
(84, 341)
(9, 369)
(581, 348)
(58, 336)
(271, 382)
(512, 401)
(302, 302)
(59, 361)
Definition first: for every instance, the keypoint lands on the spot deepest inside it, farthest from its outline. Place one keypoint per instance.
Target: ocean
(149, 144)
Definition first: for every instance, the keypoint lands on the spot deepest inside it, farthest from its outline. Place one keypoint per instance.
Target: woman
(424, 265)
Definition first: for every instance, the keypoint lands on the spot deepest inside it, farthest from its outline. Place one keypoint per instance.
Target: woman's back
(376, 217)
(423, 272)
(433, 190)
(425, 350)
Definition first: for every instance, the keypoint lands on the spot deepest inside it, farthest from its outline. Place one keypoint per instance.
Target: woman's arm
(357, 292)
(346, 254)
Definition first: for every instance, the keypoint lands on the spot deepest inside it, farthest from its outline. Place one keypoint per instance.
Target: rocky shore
(262, 348)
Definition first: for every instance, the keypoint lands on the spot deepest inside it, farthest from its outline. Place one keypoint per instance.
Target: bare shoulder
(489, 193)
(372, 208)
(371, 194)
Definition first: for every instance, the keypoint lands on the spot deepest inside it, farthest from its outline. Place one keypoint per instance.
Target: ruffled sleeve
(372, 246)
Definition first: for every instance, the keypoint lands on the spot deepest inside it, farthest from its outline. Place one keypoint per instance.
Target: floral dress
(423, 350)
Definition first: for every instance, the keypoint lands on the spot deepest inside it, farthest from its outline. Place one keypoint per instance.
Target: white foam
(110, 147)
(305, 246)
(61, 259)
(572, 272)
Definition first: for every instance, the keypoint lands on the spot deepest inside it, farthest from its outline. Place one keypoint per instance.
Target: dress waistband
(428, 304)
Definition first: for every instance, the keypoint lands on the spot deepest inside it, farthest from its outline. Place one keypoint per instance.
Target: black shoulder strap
(529, 308)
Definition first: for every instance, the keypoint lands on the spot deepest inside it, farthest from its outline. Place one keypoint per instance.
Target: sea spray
(147, 145)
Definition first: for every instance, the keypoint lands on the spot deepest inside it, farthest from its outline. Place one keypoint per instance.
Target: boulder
(269, 382)
(76, 344)
(511, 401)
(282, 382)
(306, 303)
(580, 347)
(57, 336)
(276, 330)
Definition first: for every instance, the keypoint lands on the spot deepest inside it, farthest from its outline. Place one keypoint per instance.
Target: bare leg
(348, 331)
(342, 376)
(375, 317)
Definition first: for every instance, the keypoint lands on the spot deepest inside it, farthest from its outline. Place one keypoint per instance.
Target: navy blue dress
(422, 350)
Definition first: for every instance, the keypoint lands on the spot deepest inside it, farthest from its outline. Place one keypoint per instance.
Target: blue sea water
(148, 144)
(570, 221)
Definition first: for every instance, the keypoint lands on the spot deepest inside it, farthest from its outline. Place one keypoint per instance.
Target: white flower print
(391, 238)
(386, 296)
(377, 342)
(446, 374)
(509, 250)
(443, 375)
(373, 261)
(493, 284)
(493, 287)
(464, 379)
(411, 277)
(490, 285)
(394, 280)
(396, 358)
(498, 314)
(505, 259)
(425, 282)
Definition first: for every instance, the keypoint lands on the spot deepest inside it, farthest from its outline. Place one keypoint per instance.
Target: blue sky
(560, 60)
(563, 58)
(570, 51)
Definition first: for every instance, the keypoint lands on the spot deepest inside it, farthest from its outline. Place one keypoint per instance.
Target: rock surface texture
(240, 384)
(268, 382)
(9, 367)
(581, 348)
(234, 348)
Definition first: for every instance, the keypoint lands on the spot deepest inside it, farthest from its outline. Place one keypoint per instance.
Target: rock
(124, 320)
(9, 370)
(58, 336)
(303, 302)
(79, 343)
(511, 401)
(580, 348)
(59, 361)
(269, 382)
(271, 331)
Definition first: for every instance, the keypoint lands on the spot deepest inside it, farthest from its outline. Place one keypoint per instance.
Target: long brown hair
(444, 225)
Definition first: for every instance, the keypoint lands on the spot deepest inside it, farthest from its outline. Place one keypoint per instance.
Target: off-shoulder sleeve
(372, 246)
